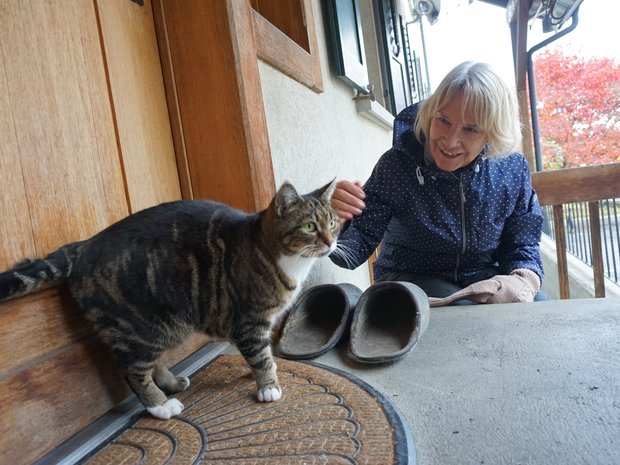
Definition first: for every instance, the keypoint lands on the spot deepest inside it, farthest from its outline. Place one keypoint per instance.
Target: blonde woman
(451, 202)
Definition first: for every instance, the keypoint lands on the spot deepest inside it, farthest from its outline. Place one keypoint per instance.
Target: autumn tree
(578, 100)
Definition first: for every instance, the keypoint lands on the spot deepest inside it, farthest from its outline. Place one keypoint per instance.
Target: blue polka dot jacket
(444, 224)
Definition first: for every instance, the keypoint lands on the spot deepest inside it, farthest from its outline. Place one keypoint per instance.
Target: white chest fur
(296, 267)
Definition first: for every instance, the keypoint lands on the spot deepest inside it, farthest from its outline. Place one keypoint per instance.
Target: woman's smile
(455, 138)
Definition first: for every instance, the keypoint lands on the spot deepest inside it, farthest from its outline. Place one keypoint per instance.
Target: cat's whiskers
(313, 250)
(345, 253)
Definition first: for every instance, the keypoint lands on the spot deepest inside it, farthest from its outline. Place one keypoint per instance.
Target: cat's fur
(148, 281)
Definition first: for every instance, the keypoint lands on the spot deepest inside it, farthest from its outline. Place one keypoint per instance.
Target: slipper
(389, 319)
(318, 320)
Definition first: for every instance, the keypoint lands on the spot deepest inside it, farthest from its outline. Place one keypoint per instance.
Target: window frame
(282, 52)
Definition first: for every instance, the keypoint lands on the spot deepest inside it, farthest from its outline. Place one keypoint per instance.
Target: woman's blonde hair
(492, 102)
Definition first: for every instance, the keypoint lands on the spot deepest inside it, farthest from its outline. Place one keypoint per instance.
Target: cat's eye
(333, 223)
(310, 227)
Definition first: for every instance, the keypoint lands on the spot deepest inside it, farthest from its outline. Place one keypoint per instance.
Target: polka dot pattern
(445, 224)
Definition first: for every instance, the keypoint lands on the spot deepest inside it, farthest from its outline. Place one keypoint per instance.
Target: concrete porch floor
(508, 384)
(535, 384)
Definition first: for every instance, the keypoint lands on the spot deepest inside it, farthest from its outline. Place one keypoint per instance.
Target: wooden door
(85, 139)
(58, 144)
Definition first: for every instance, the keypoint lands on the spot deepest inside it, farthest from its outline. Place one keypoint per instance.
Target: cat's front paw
(169, 409)
(269, 394)
(182, 383)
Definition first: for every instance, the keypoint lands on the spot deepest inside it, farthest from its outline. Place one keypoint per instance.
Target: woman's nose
(452, 137)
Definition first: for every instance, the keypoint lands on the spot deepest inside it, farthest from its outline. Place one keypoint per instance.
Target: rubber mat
(325, 416)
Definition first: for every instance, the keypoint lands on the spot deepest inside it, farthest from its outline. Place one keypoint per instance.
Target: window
(374, 42)
(286, 39)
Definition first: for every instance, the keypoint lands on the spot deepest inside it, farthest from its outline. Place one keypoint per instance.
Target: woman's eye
(441, 119)
(310, 227)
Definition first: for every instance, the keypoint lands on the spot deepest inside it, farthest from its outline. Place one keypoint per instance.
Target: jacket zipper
(463, 233)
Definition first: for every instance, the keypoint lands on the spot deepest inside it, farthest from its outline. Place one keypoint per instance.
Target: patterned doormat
(324, 417)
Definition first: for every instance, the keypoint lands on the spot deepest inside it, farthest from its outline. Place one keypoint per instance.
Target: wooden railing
(587, 184)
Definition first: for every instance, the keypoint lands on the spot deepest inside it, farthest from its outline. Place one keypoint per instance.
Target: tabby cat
(148, 281)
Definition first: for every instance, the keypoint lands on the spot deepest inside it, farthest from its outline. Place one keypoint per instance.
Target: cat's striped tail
(28, 276)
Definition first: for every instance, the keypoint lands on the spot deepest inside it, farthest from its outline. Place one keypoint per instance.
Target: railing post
(560, 249)
(597, 249)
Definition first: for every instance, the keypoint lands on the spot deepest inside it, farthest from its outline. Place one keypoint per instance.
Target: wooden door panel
(139, 100)
(35, 325)
(16, 239)
(54, 391)
(84, 139)
(214, 90)
(65, 154)
(52, 400)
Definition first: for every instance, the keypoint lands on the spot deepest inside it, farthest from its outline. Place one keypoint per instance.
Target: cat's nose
(328, 240)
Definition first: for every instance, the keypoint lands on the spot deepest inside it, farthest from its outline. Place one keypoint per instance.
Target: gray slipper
(388, 321)
(319, 318)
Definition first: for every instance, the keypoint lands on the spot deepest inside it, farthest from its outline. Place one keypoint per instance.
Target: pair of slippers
(385, 322)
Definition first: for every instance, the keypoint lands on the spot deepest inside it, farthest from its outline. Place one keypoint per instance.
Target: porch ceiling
(553, 13)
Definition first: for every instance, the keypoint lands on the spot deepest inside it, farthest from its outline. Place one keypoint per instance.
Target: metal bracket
(369, 95)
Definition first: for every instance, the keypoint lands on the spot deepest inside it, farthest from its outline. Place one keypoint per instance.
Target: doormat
(325, 417)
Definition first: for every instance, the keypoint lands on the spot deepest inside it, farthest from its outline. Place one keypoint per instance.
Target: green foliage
(578, 109)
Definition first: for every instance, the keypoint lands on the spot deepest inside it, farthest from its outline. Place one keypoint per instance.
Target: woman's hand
(521, 285)
(348, 199)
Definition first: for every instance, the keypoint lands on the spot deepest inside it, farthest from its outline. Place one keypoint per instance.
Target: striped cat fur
(150, 280)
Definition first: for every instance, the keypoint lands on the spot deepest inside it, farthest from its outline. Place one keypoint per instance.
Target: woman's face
(455, 139)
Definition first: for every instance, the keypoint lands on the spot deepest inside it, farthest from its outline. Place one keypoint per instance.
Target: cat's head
(306, 225)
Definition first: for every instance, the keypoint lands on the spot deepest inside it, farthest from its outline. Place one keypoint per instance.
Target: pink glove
(479, 292)
(520, 285)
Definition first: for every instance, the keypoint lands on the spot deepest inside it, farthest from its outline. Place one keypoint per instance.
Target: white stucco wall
(315, 137)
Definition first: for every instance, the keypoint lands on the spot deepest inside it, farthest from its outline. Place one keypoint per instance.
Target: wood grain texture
(172, 97)
(16, 235)
(597, 249)
(560, 248)
(81, 104)
(52, 400)
(277, 49)
(55, 374)
(313, 45)
(526, 128)
(258, 152)
(139, 101)
(585, 184)
(36, 325)
(582, 184)
(215, 85)
(63, 157)
(288, 17)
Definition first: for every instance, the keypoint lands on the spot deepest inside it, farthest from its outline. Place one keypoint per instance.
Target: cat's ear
(286, 196)
(325, 193)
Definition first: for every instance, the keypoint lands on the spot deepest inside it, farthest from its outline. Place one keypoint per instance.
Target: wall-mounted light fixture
(428, 8)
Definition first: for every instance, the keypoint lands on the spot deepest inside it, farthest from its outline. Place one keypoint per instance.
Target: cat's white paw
(269, 394)
(184, 380)
(170, 408)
